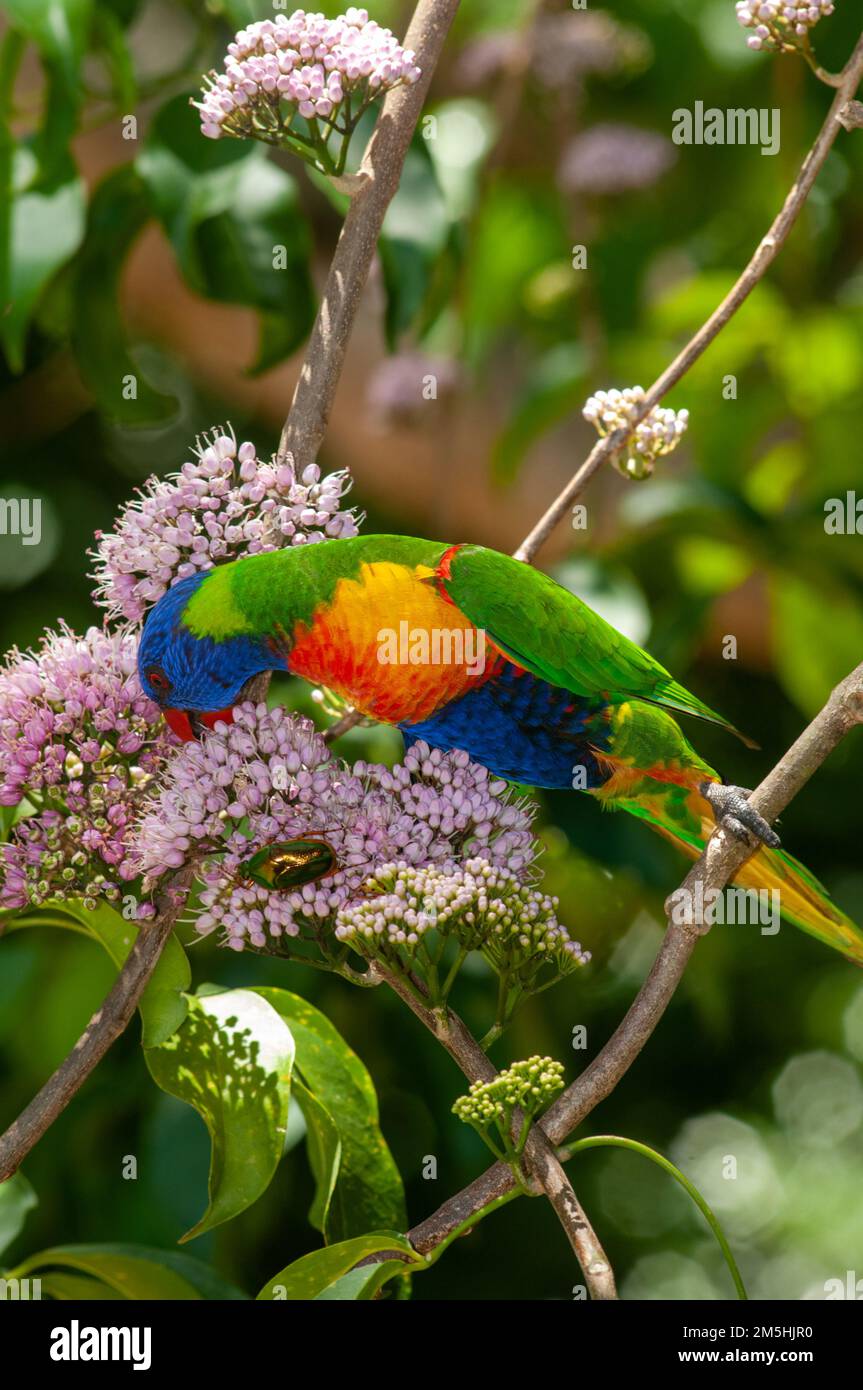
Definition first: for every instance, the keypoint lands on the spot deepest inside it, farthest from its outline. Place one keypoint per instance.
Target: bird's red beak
(180, 721)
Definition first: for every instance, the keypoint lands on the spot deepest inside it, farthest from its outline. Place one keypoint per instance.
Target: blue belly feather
(521, 728)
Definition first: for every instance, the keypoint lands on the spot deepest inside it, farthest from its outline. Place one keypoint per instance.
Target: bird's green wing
(553, 634)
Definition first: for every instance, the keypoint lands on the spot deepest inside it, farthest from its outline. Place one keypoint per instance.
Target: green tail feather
(802, 899)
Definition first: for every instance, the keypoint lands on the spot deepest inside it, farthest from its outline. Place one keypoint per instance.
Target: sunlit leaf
(232, 1060)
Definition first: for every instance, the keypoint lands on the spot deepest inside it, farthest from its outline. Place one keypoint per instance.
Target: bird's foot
(733, 812)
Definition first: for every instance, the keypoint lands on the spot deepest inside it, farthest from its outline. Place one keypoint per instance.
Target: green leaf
(163, 1004)
(72, 1288)
(813, 652)
(57, 27)
(45, 229)
(310, 1275)
(236, 226)
(17, 1197)
(324, 1149)
(368, 1191)
(111, 40)
(361, 1285)
(415, 232)
(118, 213)
(554, 388)
(135, 1271)
(232, 1060)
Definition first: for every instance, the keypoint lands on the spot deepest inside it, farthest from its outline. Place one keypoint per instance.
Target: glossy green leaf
(135, 1271)
(232, 1061)
(309, 1276)
(17, 1197)
(118, 213)
(368, 1190)
(324, 1149)
(236, 226)
(163, 1004)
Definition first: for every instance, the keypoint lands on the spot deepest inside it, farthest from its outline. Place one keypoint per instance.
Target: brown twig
(721, 860)
(379, 174)
(765, 254)
(541, 1161)
(104, 1028)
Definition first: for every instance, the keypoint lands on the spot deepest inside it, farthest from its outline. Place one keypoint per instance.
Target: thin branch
(380, 172)
(765, 254)
(541, 1161)
(104, 1028)
(721, 860)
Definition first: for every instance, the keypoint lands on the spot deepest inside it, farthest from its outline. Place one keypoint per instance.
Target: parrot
(468, 649)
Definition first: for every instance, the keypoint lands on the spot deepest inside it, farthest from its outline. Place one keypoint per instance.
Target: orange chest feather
(389, 643)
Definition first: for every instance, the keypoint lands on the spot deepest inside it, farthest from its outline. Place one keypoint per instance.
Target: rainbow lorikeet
(468, 649)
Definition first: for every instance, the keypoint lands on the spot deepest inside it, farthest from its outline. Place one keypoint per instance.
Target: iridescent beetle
(290, 864)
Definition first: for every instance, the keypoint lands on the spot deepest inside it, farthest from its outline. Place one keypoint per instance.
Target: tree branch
(377, 182)
(541, 1161)
(721, 860)
(768, 249)
(103, 1029)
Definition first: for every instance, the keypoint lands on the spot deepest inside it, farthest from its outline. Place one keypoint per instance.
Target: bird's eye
(158, 680)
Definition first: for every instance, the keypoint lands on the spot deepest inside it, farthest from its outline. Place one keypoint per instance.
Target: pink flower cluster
(316, 64)
(80, 741)
(225, 504)
(269, 778)
(779, 23)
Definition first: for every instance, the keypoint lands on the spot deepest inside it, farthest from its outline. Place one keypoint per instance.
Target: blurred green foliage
(760, 1053)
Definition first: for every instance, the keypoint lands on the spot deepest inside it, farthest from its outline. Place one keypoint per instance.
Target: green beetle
(290, 864)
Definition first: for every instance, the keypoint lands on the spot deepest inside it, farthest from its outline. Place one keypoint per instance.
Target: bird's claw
(733, 812)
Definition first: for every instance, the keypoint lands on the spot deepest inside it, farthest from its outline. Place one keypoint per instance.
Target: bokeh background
(153, 255)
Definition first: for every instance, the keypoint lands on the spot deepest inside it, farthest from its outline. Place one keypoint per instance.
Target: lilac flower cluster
(657, 434)
(400, 386)
(304, 65)
(614, 158)
(269, 778)
(482, 906)
(80, 742)
(225, 504)
(781, 24)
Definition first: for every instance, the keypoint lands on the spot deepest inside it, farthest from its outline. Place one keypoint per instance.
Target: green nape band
(212, 611)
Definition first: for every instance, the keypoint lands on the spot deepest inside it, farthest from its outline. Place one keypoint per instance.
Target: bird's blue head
(194, 660)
